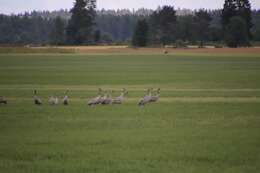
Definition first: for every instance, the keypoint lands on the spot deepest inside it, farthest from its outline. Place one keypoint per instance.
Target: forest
(119, 27)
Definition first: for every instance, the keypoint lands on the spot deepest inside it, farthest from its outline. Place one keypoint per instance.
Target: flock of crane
(103, 98)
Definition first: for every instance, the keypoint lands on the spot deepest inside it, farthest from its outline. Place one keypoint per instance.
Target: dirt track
(126, 50)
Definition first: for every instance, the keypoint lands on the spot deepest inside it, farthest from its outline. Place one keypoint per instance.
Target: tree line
(236, 25)
(164, 27)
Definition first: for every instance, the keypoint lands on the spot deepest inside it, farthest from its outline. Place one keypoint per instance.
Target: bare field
(127, 50)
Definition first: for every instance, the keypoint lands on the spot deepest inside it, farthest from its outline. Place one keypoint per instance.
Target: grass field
(208, 118)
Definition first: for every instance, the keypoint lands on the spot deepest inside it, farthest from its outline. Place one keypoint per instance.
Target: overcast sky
(18, 6)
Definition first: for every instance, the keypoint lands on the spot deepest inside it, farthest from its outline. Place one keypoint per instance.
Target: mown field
(207, 120)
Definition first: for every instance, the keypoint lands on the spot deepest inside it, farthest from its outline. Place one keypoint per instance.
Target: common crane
(36, 99)
(147, 98)
(3, 100)
(53, 100)
(156, 97)
(120, 99)
(97, 100)
(107, 99)
(66, 99)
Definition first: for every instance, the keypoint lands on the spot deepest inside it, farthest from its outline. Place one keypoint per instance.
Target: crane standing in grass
(51, 100)
(3, 100)
(108, 99)
(36, 99)
(66, 99)
(156, 97)
(147, 98)
(120, 99)
(54, 100)
(97, 100)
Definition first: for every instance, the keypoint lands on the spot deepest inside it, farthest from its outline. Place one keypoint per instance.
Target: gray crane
(147, 98)
(97, 100)
(3, 100)
(66, 99)
(156, 97)
(120, 99)
(107, 100)
(36, 99)
(53, 100)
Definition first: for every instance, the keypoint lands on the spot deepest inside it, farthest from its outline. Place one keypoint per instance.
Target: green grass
(208, 119)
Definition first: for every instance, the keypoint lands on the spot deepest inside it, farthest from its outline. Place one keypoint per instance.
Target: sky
(19, 6)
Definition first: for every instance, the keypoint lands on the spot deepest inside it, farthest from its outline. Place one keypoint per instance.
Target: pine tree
(229, 11)
(237, 8)
(163, 25)
(245, 12)
(57, 35)
(80, 27)
(202, 22)
(241, 8)
(236, 32)
(97, 36)
(140, 34)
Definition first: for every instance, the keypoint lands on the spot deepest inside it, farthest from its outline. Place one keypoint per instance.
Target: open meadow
(207, 119)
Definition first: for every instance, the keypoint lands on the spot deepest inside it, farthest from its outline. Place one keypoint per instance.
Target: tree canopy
(163, 25)
(57, 34)
(80, 26)
(237, 8)
(202, 23)
(140, 36)
(236, 32)
(167, 26)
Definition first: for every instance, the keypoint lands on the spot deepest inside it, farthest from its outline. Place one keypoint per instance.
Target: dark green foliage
(80, 26)
(24, 29)
(106, 38)
(36, 28)
(57, 35)
(236, 32)
(241, 8)
(119, 27)
(140, 36)
(163, 26)
(185, 28)
(256, 27)
(202, 22)
(97, 36)
(228, 11)
(245, 13)
(215, 34)
(256, 34)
